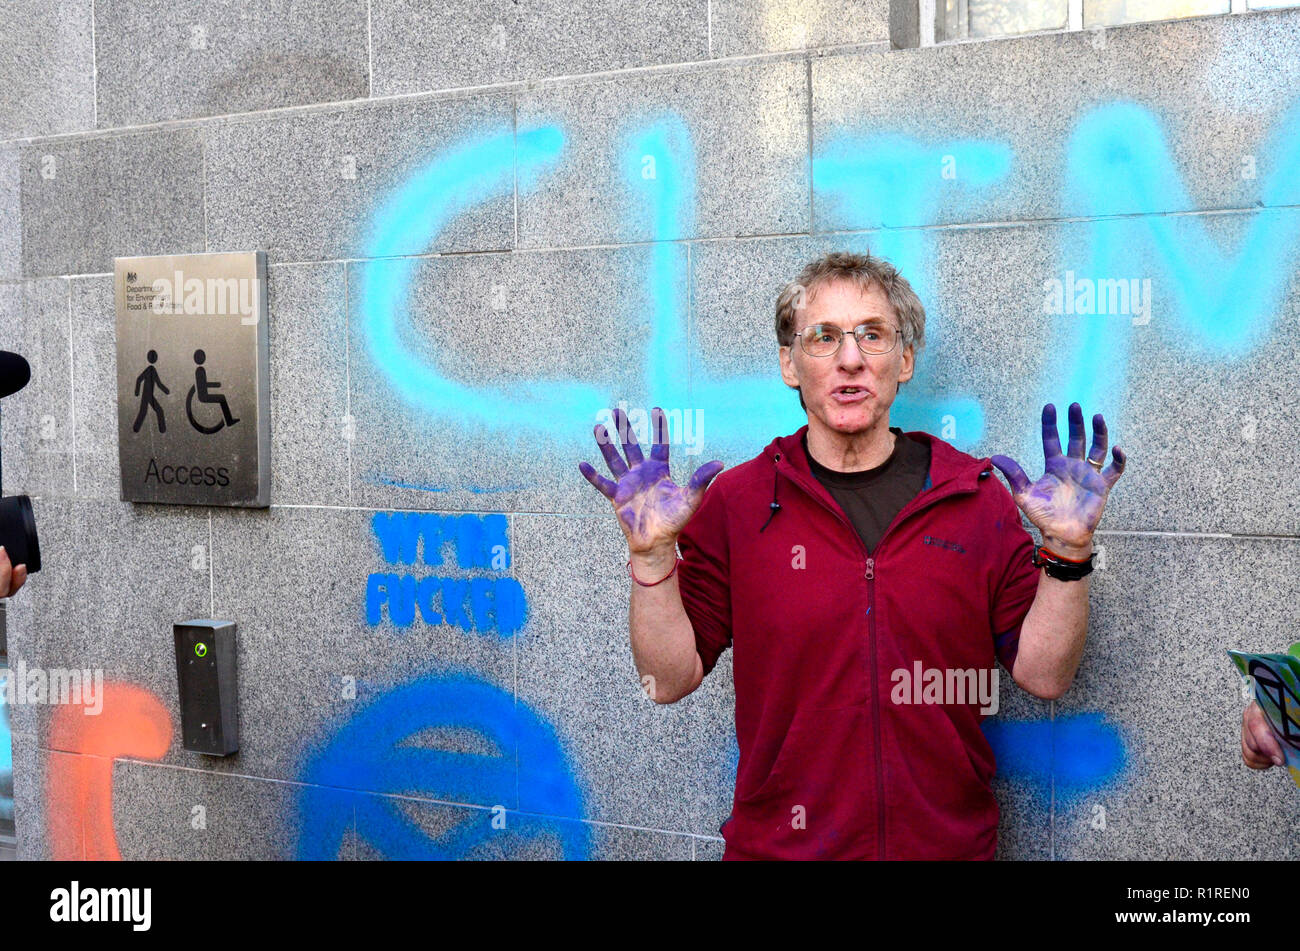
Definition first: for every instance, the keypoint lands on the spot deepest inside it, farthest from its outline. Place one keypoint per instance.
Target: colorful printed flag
(1277, 690)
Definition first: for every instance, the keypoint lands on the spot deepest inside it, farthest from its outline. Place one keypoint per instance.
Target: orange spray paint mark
(79, 789)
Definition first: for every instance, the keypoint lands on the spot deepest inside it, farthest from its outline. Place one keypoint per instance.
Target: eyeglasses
(823, 340)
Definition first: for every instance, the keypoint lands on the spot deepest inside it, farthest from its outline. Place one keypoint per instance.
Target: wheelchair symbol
(204, 390)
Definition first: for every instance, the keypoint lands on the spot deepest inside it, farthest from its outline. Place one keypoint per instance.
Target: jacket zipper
(875, 705)
(869, 572)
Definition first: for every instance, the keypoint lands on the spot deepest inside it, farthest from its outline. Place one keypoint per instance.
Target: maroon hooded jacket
(829, 766)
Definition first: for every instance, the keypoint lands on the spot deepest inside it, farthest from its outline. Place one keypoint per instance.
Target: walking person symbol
(203, 388)
(147, 380)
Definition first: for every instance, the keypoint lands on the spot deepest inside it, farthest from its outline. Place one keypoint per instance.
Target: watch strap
(1062, 569)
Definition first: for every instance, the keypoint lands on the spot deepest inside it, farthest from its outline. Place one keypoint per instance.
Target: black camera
(17, 521)
(18, 532)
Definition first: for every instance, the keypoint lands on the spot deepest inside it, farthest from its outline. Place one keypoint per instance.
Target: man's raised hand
(1067, 502)
(651, 508)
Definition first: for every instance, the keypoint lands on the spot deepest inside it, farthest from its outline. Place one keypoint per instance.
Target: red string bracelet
(1043, 549)
(651, 584)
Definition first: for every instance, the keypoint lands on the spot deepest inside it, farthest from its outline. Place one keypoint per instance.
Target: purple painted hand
(651, 508)
(1067, 502)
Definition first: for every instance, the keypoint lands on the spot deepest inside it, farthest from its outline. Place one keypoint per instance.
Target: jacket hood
(947, 463)
(951, 470)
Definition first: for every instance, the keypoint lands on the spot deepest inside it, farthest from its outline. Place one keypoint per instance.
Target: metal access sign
(193, 395)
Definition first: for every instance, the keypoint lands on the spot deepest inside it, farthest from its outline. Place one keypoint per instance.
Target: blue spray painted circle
(522, 767)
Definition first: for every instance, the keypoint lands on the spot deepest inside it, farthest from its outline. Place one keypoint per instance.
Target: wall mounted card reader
(209, 686)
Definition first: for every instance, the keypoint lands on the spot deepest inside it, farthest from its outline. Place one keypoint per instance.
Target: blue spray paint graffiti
(659, 165)
(891, 182)
(477, 490)
(1220, 306)
(658, 162)
(472, 604)
(480, 541)
(660, 175)
(1071, 755)
(407, 224)
(518, 764)
(1086, 753)
(6, 761)
(1118, 165)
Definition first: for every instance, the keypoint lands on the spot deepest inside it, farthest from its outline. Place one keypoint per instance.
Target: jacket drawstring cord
(775, 506)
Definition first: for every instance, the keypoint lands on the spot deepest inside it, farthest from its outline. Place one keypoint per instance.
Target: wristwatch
(1062, 569)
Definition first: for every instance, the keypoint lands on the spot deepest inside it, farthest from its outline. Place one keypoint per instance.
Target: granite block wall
(487, 220)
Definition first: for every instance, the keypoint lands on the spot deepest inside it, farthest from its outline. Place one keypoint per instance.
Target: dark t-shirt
(871, 498)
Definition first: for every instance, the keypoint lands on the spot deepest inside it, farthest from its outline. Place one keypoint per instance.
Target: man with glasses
(866, 579)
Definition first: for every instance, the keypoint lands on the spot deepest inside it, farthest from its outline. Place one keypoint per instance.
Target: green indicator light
(200, 649)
